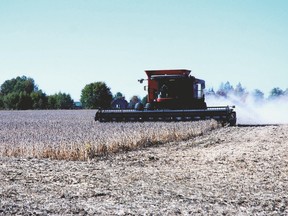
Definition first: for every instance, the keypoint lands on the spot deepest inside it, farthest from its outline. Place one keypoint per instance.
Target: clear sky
(65, 44)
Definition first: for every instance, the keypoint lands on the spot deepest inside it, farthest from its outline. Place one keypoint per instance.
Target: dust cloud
(252, 111)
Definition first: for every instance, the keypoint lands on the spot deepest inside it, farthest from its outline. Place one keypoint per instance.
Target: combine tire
(232, 119)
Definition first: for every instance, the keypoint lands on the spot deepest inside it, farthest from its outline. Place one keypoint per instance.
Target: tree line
(21, 93)
(226, 90)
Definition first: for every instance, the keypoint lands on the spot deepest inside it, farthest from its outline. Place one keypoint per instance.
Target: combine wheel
(102, 120)
(232, 119)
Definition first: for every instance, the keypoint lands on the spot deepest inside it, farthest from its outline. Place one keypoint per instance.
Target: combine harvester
(173, 95)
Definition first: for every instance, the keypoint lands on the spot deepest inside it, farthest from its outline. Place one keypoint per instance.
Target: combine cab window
(163, 91)
(198, 91)
(175, 88)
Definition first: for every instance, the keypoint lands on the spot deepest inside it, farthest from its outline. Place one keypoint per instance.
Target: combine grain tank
(173, 95)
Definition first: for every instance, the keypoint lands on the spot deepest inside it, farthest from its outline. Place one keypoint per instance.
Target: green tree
(11, 100)
(144, 100)
(39, 99)
(64, 101)
(8, 86)
(22, 93)
(18, 84)
(60, 101)
(96, 95)
(16, 93)
(52, 102)
(118, 95)
(25, 101)
(1, 101)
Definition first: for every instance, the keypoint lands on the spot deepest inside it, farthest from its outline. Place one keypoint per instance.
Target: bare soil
(229, 171)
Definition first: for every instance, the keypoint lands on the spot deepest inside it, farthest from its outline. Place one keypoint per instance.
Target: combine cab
(173, 95)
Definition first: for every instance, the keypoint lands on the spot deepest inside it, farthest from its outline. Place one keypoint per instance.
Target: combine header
(173, 95)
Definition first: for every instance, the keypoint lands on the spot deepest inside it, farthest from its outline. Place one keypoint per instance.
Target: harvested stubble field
(230, 170)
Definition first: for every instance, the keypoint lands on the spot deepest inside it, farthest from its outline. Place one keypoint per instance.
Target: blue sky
(65, 44)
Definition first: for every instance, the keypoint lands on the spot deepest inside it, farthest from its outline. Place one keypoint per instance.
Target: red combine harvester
(173, 95)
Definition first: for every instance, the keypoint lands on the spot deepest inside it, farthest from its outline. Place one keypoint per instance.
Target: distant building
(119, 103)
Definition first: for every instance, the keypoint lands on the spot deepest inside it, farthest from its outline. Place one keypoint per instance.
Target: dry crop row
(74, 135)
